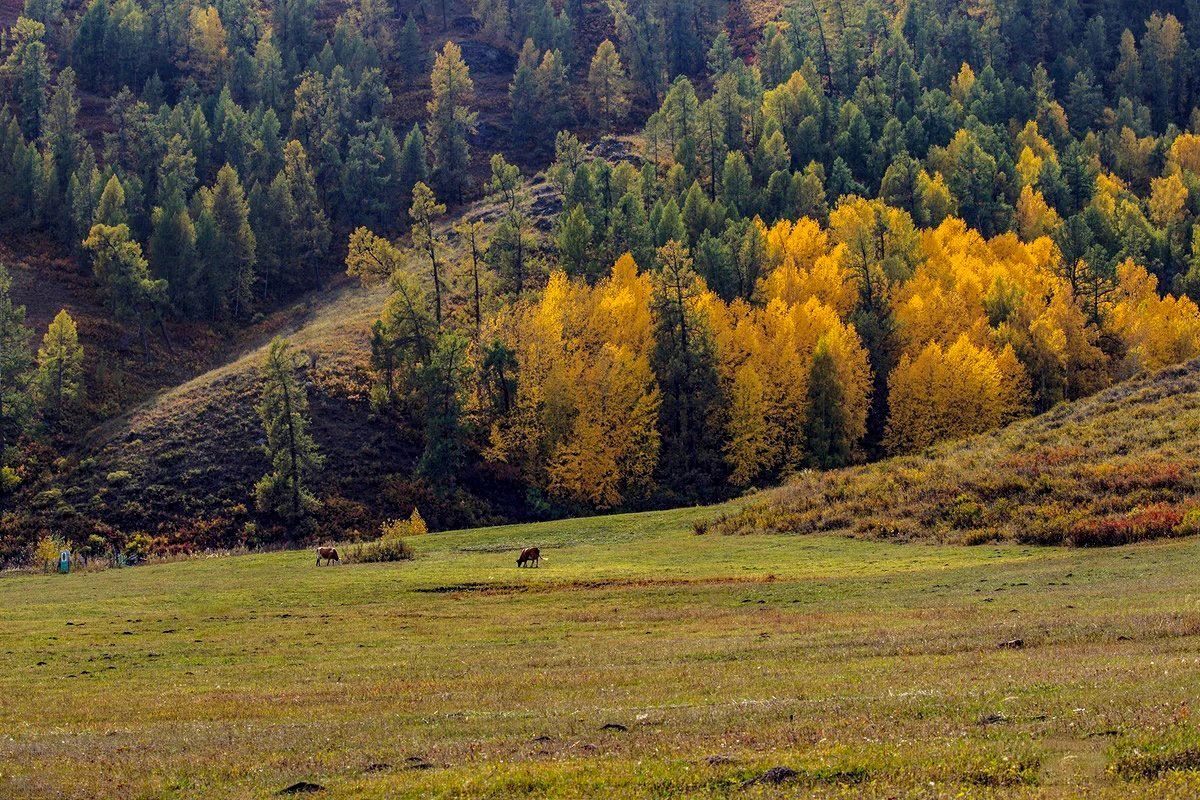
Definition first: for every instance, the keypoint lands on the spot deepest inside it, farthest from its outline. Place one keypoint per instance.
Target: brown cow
(330, 554)
(530, 555)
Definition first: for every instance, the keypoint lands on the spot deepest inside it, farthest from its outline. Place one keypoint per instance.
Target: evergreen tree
(172, 248)
(685, 364)
(574, 242)
(409, 50)
(510, 246)
(110, 210)
(294, 457)
(226, 246)
(413, 168)
(523, 95)
(308, 231)
(59, 126)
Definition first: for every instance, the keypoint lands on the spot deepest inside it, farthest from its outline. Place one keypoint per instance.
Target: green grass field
(870, 669)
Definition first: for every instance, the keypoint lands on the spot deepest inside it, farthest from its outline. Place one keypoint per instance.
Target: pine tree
(283, 409)
(510, 246)
(59, 126)
(59, 378)
(15, 364)
(442, 381)
(685, 364)
(172, 248)
(523, 95)
(408, 48)
(451, 121)
(309, 232)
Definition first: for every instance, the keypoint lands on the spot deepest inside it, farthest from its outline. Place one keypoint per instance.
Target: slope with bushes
(1114, 468)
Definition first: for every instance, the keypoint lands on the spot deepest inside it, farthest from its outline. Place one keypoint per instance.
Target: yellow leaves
(1168, 197)
(1157, 331)
(766, 357)
(1029, 167)
(586, 416)
(1035, 217)
(371, 258)
(1031, 139)
(963, 83)
(1185, 152)
(804, 267)
(208, 50)
(752, 442)
(952, 392)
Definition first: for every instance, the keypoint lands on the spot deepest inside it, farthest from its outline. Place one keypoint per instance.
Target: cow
(330, 554)
(530, 555)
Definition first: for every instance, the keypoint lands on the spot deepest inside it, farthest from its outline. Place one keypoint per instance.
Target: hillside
(182, 463)
(1109, 469)
(640, 660)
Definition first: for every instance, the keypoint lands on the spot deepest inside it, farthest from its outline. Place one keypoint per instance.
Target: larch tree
(684, 365)
(451, 121)
(294, 457)
(424, 212)
(472, 233)
(309, 232)
(608, 86)
(828, 442)
(124, 276)
(59, 378)
(510, 246)
(15, 364)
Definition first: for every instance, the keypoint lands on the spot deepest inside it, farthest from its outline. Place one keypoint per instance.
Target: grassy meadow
(866, 668)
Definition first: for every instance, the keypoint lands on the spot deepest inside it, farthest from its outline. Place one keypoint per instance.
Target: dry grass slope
(1111, 469)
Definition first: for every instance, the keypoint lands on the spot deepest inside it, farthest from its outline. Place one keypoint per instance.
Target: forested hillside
(824, 232)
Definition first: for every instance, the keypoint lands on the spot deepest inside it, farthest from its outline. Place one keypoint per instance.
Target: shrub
(138, 548)
(965, 513)
(119, 476)
(1153, 522)
(392, 549)
(399, 528)
(45, 555)
(1190, 524)
(9, 479)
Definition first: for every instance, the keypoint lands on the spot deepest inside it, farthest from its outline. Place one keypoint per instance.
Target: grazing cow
(330, 555)
(530, 555)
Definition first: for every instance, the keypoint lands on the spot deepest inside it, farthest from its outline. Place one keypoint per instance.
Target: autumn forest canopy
(627, 254)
